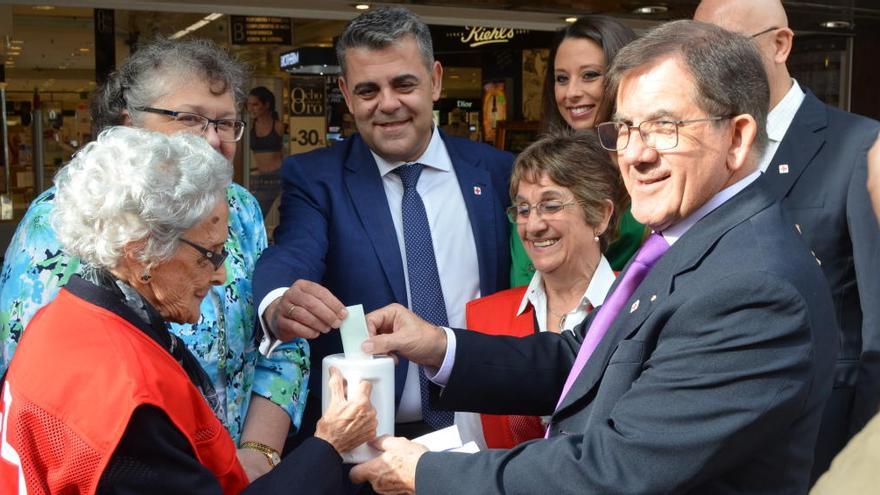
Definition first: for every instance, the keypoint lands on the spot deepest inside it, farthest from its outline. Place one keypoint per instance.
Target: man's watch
(272, 455)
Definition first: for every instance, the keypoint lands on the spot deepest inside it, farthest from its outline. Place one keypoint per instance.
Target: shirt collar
(598, 287)
(673, 233)
(781, 116)
(435, 156)
(602, 280)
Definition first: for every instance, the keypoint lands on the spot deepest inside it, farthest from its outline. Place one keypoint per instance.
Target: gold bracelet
(272, 455)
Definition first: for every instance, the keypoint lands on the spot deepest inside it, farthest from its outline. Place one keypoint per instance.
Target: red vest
(496, 315)
(76, 378)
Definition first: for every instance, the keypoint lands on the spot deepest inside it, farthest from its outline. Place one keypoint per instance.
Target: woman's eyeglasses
(546, 209)
(214, 257)
(229, 130)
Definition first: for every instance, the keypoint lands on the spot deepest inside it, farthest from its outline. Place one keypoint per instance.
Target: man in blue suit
(816, 165)
(354, 230)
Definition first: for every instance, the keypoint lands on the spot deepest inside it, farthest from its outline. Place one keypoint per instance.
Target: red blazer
(496, 315)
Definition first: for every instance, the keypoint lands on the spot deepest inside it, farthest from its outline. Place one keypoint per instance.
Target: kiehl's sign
(456, 38)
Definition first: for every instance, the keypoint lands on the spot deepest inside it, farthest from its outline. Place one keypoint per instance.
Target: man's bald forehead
(742, 16)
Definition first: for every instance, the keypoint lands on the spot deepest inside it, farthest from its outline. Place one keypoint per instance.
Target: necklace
(561, 317)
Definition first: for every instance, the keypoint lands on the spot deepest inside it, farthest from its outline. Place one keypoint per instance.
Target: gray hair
(377, 29)
(159, 68)
(575, 160)
(136, 185)
(726, 67)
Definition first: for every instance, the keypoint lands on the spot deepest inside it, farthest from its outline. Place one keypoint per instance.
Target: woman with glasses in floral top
(170, 87)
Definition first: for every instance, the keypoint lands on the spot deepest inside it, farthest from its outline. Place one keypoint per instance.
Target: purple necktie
(650, 252)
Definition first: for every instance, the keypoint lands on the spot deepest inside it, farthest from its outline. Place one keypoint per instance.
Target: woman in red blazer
(566, 195)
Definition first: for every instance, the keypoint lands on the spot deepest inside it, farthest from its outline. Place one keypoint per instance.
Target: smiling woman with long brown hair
(574, 99)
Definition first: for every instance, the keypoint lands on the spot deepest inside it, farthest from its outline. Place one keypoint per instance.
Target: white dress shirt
(454, 245)
(454, 248)
(672, 234)
(593, 297)
(778, 121)
(470, 426)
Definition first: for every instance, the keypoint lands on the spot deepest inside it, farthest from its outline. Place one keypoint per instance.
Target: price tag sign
(308, 121)
(307, 133)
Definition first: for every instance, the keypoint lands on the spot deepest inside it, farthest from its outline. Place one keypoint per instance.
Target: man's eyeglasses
(768, 30)
(214, 257)
(548, 208)
(229, 130)
(657, 134)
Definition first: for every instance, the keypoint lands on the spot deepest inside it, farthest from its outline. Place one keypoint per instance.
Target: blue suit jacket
(823, 190)
(336, 229)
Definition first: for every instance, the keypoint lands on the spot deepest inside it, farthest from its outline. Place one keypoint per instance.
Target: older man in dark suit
(708, 366)
(816, 165)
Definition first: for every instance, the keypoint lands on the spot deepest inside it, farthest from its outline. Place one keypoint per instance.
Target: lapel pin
(783, 169)
(634, 307)
(653, 297)
(478, 190)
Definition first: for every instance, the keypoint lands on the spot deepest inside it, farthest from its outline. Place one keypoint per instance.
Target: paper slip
(447, 439)
(354, 332)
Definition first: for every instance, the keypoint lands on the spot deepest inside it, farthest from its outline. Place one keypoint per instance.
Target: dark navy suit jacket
(821, 184)
(336, 229)
(712, 379)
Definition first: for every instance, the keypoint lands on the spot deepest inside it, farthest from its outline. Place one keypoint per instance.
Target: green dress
(618, 253)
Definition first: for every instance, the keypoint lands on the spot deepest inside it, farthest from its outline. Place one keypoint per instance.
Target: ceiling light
(571, 20)
(16, 42)
(651, 9)
(196, 25)
(84, 50)
(836, 24)
(362, 6)
(44, 7)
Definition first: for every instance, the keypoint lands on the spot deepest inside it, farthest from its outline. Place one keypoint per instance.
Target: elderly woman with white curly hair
(100, 397)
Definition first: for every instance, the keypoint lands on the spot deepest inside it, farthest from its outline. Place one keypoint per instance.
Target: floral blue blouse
(223, 340)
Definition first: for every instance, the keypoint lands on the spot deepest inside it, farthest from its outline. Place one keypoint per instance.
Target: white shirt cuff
(441, 376)
(268, 343)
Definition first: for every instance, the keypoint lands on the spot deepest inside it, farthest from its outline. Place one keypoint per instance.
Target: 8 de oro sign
(308, 121)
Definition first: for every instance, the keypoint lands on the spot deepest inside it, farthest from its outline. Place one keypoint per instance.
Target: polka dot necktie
(425, 293)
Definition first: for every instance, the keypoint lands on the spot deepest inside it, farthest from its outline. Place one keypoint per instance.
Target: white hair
(136, 185)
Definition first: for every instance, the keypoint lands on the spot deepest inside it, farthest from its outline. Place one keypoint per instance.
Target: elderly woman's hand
(347, 422)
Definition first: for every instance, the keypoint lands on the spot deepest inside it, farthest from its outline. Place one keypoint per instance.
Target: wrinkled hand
(393, 472)
(395, 329)
(347, 423)
(305, 310)
(253, 462)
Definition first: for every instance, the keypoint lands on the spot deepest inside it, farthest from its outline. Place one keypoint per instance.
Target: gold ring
(290, 312)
